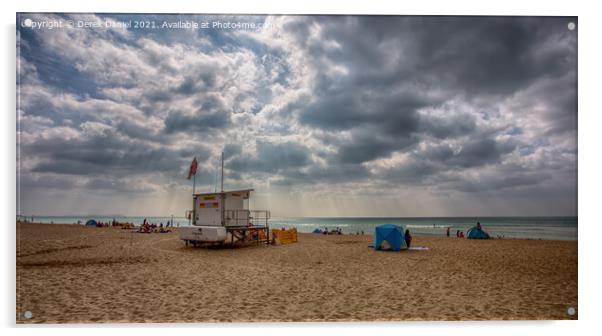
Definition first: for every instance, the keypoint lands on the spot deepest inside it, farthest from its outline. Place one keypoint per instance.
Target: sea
(546, 228)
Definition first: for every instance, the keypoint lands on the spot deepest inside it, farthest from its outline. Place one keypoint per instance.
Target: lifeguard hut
(218, 216)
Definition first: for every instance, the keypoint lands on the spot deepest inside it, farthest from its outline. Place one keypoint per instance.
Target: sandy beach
(76, 274)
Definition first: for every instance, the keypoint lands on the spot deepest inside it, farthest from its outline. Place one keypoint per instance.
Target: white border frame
(589, 138)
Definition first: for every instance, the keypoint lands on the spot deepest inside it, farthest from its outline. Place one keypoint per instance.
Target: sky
(340, 116)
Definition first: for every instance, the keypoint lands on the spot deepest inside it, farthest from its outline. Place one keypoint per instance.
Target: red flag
(193, 166)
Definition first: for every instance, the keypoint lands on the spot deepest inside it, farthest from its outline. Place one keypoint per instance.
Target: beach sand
(75, 274)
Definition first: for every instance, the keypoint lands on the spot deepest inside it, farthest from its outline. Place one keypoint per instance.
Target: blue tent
(477, 233)
(390, 233)
(91, 222)
(317, 230)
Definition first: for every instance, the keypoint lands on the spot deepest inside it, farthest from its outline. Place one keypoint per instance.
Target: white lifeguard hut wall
(227, 208)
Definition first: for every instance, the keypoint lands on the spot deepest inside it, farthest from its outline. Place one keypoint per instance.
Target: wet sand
(75, 274)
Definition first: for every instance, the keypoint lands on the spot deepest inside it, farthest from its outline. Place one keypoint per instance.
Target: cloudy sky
(321, 115)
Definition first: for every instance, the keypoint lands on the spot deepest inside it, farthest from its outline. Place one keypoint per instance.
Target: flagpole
(222, 171)
(193, 201)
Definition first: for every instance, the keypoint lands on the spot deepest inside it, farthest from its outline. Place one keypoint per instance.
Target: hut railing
(244, 217)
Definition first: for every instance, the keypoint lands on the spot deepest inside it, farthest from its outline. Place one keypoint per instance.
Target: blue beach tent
(91, 222)
(390, 233)
(476, 233)
(317, 230)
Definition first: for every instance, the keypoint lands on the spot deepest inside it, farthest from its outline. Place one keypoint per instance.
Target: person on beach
(408, 238)
(480, 228)
(448, 231)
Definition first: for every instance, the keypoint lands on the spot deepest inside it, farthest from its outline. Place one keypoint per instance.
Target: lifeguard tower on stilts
(225, 217)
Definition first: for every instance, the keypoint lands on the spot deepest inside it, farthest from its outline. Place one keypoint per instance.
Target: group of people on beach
(335, 231)
(113, 223)
(459, 233)
(147, 227)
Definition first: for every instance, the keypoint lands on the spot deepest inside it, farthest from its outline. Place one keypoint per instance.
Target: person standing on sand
(408, 238)
(481, 229)
(448, 231)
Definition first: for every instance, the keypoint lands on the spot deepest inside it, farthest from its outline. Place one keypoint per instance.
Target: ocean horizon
(522, 227)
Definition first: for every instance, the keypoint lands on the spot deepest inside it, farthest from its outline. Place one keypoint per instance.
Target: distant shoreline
(366, 233)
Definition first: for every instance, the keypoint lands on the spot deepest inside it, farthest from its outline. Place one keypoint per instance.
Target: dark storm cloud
(135, 130)
(438, 165)
(199, 122)
(114, 184)
(449, 126)
(367, 145)
(349, 106)
(119, 156)
(474, 55)
(271, 158)
(493, 55)
(232, 149)
(561, 96)
(415, 171)
(27, 181)
(212, 114)
(474, 153)
(329, 174)
(394, 61)
(201, 77)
